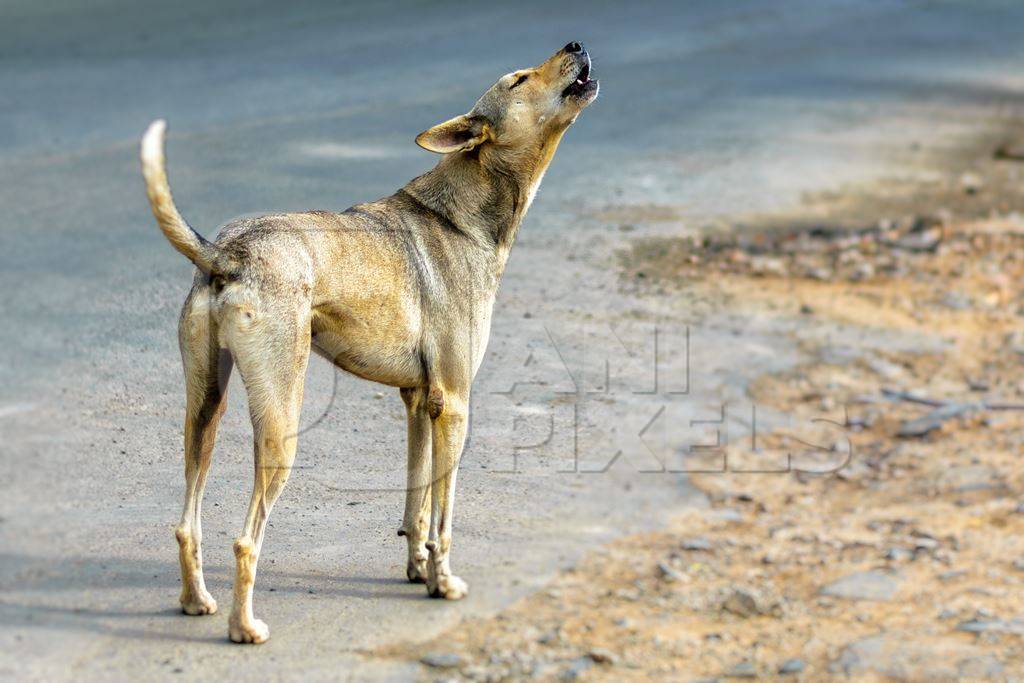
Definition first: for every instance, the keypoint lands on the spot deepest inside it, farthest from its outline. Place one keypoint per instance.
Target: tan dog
(399, 291)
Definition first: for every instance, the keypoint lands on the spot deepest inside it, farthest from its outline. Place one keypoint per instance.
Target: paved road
(707, 110)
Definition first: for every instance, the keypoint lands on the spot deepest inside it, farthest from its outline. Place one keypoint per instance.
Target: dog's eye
(519, 81)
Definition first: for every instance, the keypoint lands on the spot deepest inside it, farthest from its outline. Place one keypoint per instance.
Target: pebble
(791, 666)
(968, 478)
(901, 657)
(441, 660)
(898, 554)
(971, 182)
(742, 670)
(603, 656)
(699, 544)
(1013, 626)
(670, 574)
(747, 602)
(576, 668)
(869, 585)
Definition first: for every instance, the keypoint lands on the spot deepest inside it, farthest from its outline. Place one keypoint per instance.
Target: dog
(399, 291)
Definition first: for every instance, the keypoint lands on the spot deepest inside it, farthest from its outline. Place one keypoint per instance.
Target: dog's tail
(182, 237)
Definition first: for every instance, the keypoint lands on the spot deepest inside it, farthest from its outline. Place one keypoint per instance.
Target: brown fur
(399, 291)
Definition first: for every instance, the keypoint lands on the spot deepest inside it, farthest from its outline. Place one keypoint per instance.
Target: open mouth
(582, 85)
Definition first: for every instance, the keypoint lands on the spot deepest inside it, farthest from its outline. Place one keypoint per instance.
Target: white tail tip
(153, 141)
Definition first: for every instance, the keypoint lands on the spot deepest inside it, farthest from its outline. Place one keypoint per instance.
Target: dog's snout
(573, 48)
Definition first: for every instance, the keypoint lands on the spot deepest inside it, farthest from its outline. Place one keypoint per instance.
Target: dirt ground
(877, 533)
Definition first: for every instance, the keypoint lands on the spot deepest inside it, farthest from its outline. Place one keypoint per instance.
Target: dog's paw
(448, 587)
(197, 605)
(255, 631)
(416, 570)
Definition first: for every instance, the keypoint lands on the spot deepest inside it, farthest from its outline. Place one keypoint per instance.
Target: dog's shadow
(137, 599)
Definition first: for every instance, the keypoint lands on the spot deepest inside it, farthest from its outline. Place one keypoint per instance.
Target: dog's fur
(399, 291)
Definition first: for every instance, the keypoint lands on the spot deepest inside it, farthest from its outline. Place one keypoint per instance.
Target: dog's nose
(573, 48)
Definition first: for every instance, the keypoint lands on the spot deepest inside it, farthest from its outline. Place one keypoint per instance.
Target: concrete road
(708, 110)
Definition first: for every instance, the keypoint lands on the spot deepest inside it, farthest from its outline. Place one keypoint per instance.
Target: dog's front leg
(415, 523)
(450, 412)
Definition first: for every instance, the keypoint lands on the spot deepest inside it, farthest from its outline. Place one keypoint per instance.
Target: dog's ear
(454, 135)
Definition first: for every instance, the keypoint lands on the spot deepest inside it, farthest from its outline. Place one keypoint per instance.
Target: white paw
(197, 605)
(449, 587)
(255, 631)
(416, 570)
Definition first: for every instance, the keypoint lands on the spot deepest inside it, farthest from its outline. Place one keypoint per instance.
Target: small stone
(668, 573)
(768, 266)
(791, 666)
(442, 660)
(898, 555)
(868, 585)
(576, 668)
(957, 301)
(971, 182)
(603, 656)
(1013, 626)
(698, 544)
(982, 667)
(746, 602)
(970, 478)
(742, 670)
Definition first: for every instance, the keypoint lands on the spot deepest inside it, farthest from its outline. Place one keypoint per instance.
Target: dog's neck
(486, 192)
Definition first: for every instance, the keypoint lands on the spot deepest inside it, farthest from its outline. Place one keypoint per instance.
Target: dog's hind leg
(416, 521)
(450, 414)
(272, 363)
(207, 369)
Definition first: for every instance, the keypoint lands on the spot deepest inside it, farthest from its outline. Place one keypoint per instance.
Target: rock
(765, 265)
(791, 666)
(979, 668)
(933, 420)
(603, 656)
(747, 602)
(926, 240)
(1010, 151)
(900, 657)
(742, 670)
(576, 668)
(968, 478)
(869, 585)
(670, 574)
(698, 544)
(442, 660)
(971, 182)
(898, 555)
(1011, 626)
(958, 301)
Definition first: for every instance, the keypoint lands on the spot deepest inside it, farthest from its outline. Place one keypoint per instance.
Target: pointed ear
(454, 135)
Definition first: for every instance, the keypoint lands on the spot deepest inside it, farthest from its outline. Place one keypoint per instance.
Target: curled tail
(181, 236)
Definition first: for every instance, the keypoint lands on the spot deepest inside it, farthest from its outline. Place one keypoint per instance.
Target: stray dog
(399, 291)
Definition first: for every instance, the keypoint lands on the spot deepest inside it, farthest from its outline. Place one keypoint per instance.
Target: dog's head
(523, 110)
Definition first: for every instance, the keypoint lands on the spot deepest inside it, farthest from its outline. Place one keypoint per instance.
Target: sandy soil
(877, 533)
